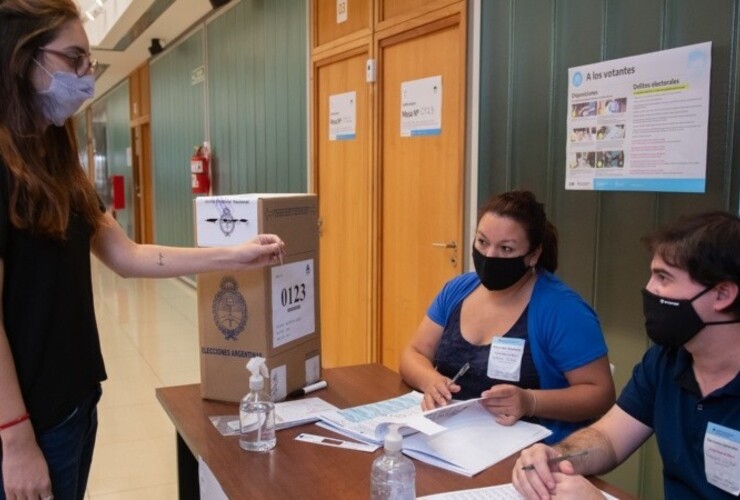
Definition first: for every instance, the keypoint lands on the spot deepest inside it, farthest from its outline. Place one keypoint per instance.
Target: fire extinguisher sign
(293, 312)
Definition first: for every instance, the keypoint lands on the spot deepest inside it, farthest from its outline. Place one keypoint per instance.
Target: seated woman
(535, 348)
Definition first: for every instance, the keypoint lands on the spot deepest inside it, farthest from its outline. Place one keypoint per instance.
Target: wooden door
(142, 179)
(422, 176)
(343, 169)
(139, 107)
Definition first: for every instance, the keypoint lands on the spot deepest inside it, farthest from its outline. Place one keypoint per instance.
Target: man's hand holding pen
(544, 472)
(440, 391)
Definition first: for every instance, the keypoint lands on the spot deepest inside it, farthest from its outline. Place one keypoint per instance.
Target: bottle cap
(258, 369)
(393, 440)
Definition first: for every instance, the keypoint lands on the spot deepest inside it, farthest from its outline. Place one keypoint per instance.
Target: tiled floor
(149, 335)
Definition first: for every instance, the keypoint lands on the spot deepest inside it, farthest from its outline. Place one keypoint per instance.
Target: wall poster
(640, 123)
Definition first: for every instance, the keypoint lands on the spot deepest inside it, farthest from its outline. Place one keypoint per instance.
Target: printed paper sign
(421, 107)
(292, 302)
(342, 116)
(279, 383)
(313, 369)
(341, 11)
(640, 123)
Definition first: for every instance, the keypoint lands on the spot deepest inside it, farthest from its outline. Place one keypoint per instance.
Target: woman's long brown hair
(46, 179)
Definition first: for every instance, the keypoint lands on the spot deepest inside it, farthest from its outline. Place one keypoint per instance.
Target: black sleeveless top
(454, 351)
(49, 315)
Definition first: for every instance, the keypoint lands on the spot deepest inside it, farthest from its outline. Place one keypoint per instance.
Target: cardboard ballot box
(271, 312)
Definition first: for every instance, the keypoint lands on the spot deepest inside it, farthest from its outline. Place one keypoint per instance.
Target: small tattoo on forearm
(160, 262)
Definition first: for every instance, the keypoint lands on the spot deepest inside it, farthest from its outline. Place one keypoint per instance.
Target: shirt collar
(683, 374)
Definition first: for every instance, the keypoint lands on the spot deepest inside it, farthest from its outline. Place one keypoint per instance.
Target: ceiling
(121, 31)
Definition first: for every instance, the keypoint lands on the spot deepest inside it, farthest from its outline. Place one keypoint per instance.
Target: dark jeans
(68, 449)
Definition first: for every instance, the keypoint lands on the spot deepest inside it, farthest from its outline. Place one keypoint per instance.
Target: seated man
(686, 389)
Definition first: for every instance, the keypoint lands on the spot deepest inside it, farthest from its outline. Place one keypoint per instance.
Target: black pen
(321, 384)
(556, 460)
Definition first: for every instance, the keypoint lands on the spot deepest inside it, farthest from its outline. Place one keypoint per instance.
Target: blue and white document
(449, 437)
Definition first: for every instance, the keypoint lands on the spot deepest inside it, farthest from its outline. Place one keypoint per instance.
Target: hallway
(149, 336)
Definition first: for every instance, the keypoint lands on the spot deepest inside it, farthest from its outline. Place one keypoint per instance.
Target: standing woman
(50, 220)
(534, 347)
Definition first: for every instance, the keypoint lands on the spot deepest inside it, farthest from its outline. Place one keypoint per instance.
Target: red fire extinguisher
(199, 171)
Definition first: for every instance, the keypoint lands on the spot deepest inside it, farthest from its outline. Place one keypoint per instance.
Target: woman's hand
(438, 393)
(25, 473)
(508, 403)
(262, 250)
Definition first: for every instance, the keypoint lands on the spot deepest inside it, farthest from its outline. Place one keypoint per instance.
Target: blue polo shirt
(664, 395)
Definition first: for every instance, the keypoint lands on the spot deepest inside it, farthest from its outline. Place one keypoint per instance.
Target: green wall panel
(111, 143)
(80, 121)
(257, 81)
(118, 135)
(625, 333)
(527, 48)
(177, 125)
(495, 98)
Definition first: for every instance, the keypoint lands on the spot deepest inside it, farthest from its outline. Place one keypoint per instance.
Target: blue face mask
(65, 95)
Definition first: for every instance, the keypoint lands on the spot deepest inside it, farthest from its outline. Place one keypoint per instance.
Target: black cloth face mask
(673, 322)
(498, 273)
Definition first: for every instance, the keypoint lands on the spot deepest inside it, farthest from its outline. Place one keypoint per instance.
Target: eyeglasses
(82, 62)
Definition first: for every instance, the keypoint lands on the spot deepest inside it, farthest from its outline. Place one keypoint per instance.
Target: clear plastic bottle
(393, 476)
(257, 411)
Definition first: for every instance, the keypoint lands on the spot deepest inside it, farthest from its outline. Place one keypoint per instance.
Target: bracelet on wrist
(15, 421)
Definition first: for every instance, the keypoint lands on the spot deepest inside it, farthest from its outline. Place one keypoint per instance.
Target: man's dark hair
(706, 245)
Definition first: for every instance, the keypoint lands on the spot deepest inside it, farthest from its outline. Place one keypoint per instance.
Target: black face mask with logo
(673, 322)
(499, 273)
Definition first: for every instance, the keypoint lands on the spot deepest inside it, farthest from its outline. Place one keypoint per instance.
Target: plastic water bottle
(393, 476)
(257, 411)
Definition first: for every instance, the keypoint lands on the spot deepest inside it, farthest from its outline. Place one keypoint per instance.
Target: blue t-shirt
(664, 395)
(562, 334)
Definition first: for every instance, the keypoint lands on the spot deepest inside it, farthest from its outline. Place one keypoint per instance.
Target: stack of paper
(287, 414)
(462, 437)
(473, 441)
(368, 423)
(300, 411)
(500, 492)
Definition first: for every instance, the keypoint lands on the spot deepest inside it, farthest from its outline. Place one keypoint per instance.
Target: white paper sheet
(500, 492)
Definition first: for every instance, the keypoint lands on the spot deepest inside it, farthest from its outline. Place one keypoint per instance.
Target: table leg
(188, 483)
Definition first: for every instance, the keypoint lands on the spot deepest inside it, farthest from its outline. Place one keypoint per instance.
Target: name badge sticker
(505, 359)
(722, 457)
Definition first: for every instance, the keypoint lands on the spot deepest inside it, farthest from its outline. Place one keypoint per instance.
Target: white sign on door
(342, 116)
(421, 107)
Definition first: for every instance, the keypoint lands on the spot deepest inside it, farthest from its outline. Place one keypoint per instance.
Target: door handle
(450, 244)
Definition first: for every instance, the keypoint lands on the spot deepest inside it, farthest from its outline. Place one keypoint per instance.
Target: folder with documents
(462, 437)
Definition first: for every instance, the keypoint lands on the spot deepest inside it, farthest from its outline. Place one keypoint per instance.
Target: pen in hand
(459, 373)
(556, 460)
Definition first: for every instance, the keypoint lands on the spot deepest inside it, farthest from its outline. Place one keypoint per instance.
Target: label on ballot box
(293, 302)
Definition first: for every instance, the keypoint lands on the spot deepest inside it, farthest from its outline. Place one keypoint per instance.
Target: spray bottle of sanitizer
(257, 411)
